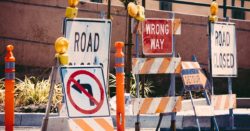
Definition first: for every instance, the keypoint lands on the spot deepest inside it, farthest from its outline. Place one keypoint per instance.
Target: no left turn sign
(84, 91)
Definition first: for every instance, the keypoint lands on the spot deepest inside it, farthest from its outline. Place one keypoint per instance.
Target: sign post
(223, 55)
(89, 41)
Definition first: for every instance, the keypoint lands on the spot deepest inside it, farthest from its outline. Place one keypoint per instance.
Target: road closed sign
(157, 37)
(223, 50)
(89, 42)
(84, 90)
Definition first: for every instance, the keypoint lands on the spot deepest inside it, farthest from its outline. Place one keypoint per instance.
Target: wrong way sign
(89, 42)
(84, 90)
(157, 37)
(223, 49)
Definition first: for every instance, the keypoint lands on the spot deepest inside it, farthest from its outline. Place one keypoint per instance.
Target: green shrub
(32, 91)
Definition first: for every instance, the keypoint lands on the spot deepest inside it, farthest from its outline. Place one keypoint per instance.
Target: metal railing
(225, 6)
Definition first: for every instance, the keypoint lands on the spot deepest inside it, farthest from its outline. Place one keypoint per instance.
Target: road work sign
(223, 50)
(89, 42)
(194, 80)
(84, 90)
(157, 37)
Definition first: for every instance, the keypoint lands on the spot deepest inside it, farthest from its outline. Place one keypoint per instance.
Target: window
(164, 5)
(98, 1)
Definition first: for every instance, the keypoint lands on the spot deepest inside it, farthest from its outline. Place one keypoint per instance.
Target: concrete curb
(182, 122)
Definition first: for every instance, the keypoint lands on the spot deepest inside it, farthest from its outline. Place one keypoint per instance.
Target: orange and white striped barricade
(156, 65)
(224, 102)
(91, 124)
(156, 105)
(80, 124)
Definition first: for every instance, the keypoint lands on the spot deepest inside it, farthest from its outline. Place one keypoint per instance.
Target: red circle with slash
(98, 103)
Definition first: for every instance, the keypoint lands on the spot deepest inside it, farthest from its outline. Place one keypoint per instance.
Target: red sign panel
(157, 37)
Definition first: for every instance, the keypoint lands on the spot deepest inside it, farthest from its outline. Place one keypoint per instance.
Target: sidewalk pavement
(183, 119)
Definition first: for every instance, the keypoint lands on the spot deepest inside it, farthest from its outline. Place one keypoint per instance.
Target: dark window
(164, 5)
(98, 1)
(238, 14)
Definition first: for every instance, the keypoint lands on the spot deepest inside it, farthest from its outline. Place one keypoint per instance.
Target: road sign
(89, 42)
(157, 37)
(194, 80)
(223, 50)
(84, 89)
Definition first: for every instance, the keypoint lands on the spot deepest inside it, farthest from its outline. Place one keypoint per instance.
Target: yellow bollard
(120, 100)
(9, 88)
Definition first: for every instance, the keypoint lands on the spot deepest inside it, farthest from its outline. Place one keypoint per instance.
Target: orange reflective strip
(177, 106)
(164, 65)
(218, 100)
(104, 124)
(81, 123)
(234, 100)
(226, 106)
(145, 105)
(163, 103)
(147, 65)
(178, 68)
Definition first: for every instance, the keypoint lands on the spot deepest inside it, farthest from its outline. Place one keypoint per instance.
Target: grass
(32, 91)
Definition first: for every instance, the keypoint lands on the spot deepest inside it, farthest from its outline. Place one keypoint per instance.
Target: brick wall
(33, 26)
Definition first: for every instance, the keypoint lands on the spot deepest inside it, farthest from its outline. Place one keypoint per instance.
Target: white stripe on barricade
(224, 102)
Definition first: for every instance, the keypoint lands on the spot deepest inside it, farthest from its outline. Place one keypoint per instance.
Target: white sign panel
(223, 50)
(84, 90)
(89, 42)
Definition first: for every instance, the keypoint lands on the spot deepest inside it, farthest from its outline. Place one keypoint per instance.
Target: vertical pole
(224, 8)
(213, 119)
(109, 8)
(172, 87)
(210, 69)
(9, 88)
(137, 124)
(231, 115)
(128, 57)
(196, 118)
(229, 80)
(51, 93)
(120, 102)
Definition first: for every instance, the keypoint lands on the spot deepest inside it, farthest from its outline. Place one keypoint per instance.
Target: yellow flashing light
(73, 3)
(213, 12)
(61, 45)
(132, 9)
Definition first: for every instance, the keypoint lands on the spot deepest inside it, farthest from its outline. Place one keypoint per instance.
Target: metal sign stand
(172, 87)
(229, 80)
(213, 120)
(171, 91)
(51, 93)
(137, 123)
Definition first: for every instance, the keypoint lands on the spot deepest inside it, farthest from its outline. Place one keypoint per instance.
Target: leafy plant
(32, 91)
(148, 85)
